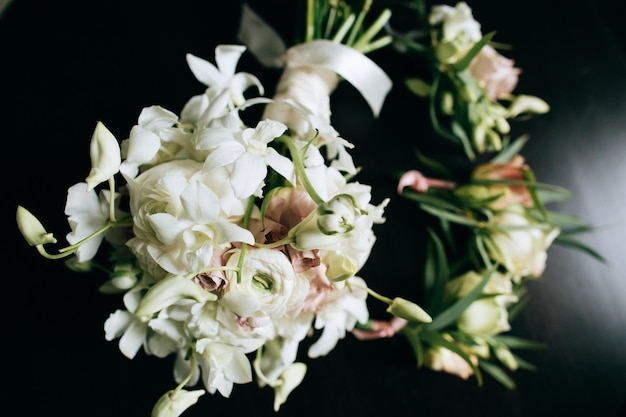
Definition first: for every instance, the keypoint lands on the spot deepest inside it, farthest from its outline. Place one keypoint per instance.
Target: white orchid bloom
(147, 143)
(123, 324)
(87, 213)
(249, 155)
(223, 365)
(341, 310)
(223, 78)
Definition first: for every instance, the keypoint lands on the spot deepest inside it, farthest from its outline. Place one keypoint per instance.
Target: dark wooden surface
(66, 64)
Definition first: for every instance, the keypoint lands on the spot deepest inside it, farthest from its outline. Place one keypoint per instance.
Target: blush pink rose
(511, 170)
(494, 72)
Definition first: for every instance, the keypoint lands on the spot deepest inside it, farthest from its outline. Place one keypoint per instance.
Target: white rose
(486, 315)
(519, 245)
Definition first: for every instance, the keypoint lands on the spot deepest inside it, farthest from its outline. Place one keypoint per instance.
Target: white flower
(458, 22)
(459, 31)
(223, 78)
(486, 315)
(149, 142)
(249, 155)
(123, 324)
(518, 244)
(178, 219)
(222, 365)
(87, 213)
(340, 312)
(268, 286)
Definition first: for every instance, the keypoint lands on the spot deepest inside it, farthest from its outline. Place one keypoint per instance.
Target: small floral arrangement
(237, 229)
(486, 221)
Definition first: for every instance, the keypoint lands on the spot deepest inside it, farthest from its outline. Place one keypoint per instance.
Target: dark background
(66, 64)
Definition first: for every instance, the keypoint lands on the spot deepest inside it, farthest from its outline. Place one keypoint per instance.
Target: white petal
(133, 338)
(214, 137)
(204, 71)
(224, 155)
(248, 173)
(229, 232)
(200, 203)
(280, 164)
(156, 118)
(116, 324)
(166, 227)
(227, 57)
(143, 145)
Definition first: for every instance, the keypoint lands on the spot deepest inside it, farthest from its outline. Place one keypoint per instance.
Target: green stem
(69, 250)
(300, 169)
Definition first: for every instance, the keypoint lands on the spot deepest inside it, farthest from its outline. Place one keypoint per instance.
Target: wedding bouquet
(237, 228)
(232, 241)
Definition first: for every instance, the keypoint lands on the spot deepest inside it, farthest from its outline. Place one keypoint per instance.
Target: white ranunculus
(268, 286)
(518, 244)
(178, 220)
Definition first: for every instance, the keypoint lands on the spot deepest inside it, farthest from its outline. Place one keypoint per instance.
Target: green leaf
(463, 63)
(497, 373)
(456, 218)
(532, 190)
(524, 364)
(463, 139)
(514, 342)
(412, 335)
(436, 271)
(565, 240)
(428, 199)
(508, 152)
(452, 313)
(434, 165)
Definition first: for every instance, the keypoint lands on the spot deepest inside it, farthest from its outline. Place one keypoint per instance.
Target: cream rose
(518, 244)
(487, 315)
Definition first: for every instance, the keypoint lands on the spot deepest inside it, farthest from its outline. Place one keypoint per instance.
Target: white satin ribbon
(353, 66)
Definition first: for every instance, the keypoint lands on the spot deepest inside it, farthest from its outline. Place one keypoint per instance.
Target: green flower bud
(527, 104)
(105, 156)
(32, 229)
(167, 291)
(408, 310)
(287, 382)
(173, 403)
